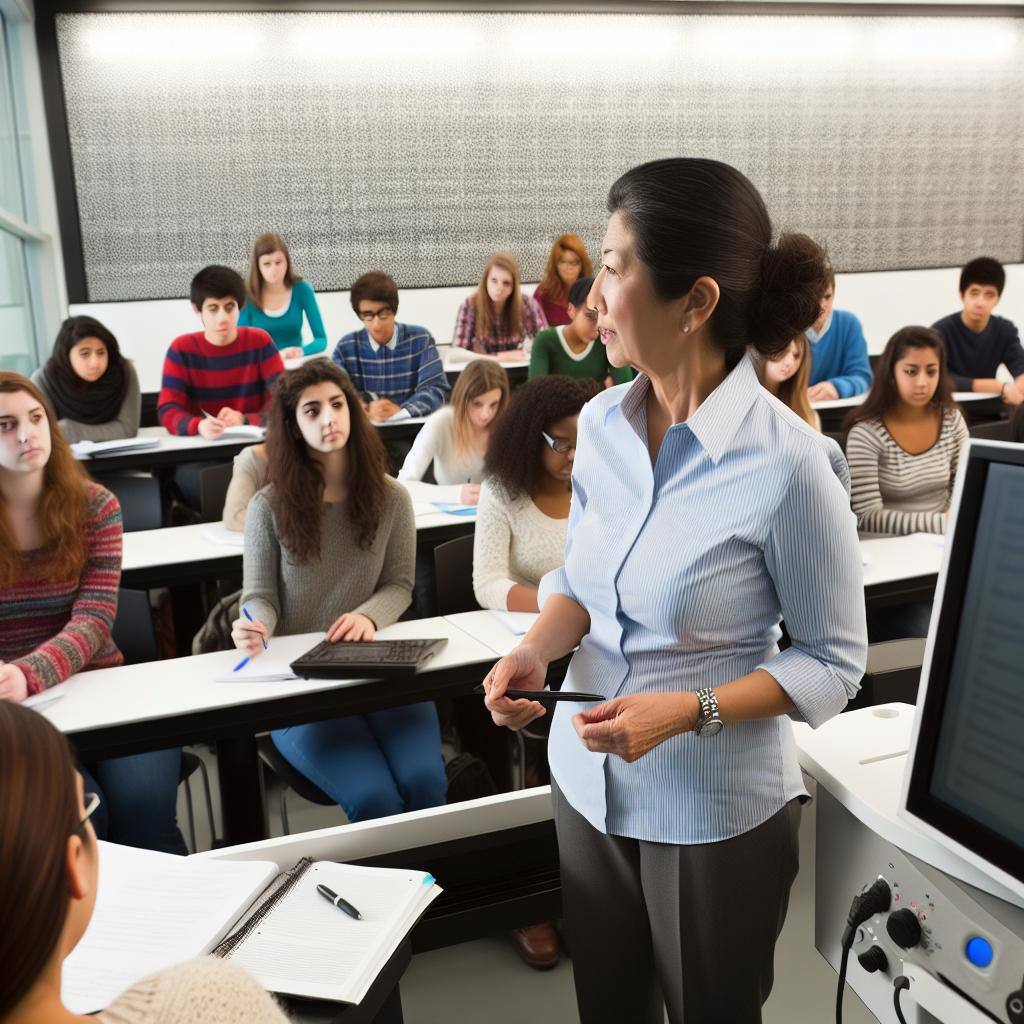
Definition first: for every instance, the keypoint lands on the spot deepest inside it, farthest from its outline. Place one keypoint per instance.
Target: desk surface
(896, 559)
(855, 400)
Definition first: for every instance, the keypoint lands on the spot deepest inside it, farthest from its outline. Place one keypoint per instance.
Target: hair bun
(795, 273)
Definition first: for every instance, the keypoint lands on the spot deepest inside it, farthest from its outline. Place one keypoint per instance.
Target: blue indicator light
(979, 951)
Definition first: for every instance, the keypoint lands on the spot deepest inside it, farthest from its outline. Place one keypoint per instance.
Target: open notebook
(87, 449)
(155, 910)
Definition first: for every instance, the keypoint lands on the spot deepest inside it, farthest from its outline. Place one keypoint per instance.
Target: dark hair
(513, 455)
(298, 483)
(884, 395)
(78, 328)
(39, 811)
(579, 291)
(983, 270)
(375, 286)
(216, 282)
(267, 243)
(692, 217)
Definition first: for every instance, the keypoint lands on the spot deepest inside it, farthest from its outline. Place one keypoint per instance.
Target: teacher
(703, 512)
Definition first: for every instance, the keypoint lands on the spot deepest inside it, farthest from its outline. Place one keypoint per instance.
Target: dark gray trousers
(694, 926)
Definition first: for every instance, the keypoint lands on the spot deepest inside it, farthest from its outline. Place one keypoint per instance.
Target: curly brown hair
(513, 455)
(62, 505)
(297, 477)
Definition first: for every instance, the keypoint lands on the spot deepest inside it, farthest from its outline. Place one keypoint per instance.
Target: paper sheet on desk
(242, 430)
(218, 533)
(453, 508)
(87, 449)
(516, 622)
(264, 668)
(38, 701)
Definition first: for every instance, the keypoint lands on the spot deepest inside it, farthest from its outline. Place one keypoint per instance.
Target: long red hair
(61, 512)
(552, 284)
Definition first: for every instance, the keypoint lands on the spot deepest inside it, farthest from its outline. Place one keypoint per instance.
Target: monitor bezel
(971, 839)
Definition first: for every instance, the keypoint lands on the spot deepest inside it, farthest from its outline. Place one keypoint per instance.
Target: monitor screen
(967, 773)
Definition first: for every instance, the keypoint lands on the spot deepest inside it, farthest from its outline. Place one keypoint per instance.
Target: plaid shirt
(466, 336)
(410, 374)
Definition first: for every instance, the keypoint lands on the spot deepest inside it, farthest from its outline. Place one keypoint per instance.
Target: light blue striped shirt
(686, 569)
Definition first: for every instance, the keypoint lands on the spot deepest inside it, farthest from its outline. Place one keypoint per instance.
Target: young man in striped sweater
(221, 376)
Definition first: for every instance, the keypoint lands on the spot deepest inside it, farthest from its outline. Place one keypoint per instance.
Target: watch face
(711, 728)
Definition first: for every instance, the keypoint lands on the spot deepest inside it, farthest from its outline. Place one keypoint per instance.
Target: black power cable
(874, 900)
(899, 984)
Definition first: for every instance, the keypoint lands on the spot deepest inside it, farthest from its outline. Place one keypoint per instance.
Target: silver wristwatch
(709, 722)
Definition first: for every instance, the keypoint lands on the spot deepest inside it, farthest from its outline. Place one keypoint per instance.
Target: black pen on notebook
(333, 897)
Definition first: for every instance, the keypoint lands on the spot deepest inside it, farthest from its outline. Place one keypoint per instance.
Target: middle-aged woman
(51, 868)
(702, 514)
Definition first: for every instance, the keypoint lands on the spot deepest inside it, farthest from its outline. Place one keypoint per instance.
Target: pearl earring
(686, 328)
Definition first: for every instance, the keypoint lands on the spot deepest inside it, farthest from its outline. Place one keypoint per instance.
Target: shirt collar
(389, 345)
(719, 416)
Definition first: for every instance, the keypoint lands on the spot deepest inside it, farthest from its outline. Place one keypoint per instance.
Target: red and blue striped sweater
(200, 377)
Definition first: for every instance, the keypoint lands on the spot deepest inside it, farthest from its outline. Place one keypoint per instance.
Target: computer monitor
(964, 782)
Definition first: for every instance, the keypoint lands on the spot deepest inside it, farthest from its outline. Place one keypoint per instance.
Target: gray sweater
(291, 598)
(128, 416)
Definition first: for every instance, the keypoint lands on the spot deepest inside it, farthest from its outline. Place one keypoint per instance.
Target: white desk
(484, 628)
(964, 397)
(901, 569)
(171, 450)
(134, 708)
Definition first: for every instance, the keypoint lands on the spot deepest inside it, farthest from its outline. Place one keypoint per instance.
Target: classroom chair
(996, 430)
(213, 489)
(138, 494)
(453, 574)
(135, 637)
(289, 779)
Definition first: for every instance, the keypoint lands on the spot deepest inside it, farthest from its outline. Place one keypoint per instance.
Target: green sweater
(550, 354)
(286, 329)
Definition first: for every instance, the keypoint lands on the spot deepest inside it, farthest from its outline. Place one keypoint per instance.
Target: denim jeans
(373, 765)
(138, 800)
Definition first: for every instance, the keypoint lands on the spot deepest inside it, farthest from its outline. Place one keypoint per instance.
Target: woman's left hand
(630, 726)
(352, 627)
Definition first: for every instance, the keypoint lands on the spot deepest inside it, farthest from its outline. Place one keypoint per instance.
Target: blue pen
(241, 665)
(248, 615)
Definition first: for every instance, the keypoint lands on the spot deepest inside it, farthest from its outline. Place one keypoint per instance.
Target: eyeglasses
(92, 801)
(380, 314)
(558, 447)
(570, 263)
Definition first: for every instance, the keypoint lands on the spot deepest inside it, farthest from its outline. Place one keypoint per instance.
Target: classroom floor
(494, 985)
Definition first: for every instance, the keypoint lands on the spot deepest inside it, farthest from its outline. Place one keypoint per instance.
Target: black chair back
(453, 569)
(213, 489)
(139, 497)
(996, 430)
(133, 632)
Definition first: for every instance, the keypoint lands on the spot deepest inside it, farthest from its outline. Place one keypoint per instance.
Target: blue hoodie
(840, 356)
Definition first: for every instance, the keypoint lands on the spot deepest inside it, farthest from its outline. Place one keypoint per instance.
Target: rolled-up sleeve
(813, 557)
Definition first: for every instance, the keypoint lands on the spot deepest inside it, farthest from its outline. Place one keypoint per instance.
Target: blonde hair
(267, 243)
(554, 287)
(479, 377)
(512, 321)
(793, 392)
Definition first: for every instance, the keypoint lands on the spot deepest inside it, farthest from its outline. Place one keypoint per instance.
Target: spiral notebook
(155, 910)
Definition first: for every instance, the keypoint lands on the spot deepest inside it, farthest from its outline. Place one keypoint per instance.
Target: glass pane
(17, 348)
(10, 178)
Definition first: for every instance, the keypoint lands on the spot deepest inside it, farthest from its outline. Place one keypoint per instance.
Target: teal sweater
(286, 330)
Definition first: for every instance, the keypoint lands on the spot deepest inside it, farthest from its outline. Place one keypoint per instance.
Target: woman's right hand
(249, 636)
(522, 669)
(470, 494)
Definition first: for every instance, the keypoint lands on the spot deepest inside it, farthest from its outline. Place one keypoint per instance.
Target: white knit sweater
(204, 991)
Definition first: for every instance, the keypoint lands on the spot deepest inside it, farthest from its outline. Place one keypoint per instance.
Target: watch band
(709, 721)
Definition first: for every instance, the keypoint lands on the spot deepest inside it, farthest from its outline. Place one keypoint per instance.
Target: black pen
(330, 894)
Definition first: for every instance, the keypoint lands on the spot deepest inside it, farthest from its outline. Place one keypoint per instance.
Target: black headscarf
(74, 398)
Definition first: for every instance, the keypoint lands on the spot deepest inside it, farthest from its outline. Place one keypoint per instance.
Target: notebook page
(307, 947)
(154, 910)
(266, 667)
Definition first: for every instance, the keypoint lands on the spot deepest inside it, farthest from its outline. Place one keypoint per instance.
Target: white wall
(884, 301)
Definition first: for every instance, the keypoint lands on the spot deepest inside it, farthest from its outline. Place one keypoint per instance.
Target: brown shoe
(537, 945)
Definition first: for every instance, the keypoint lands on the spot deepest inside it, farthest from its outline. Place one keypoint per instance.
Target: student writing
(94, 390)
(279, 299)
(454, 440)
(330, 544)
(60, 565)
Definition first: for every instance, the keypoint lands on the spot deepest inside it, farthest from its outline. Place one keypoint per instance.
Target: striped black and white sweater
(894, 492)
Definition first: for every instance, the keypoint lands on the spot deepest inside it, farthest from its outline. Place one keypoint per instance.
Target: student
(219, 377)
(497, 319)
(60, 564)
(93, 389)
(395, 367)
(330, 544)
(454, 439)
(51, 864)
(572, 349)
(785, 376)
(904, 441)
(567, 263)
(977, 341)
(524, 501)
(279, 299)
(248, 475)
(839, 354)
